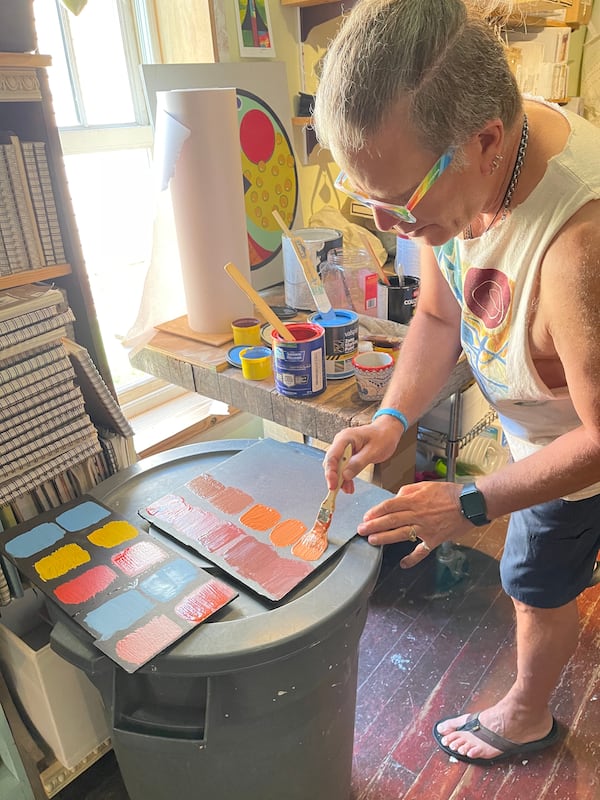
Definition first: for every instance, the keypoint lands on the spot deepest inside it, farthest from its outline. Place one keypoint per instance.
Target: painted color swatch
(82, 516)
(85, 586)
(260, 517)
(118, 613)
(61, 561)
(113, 534)
(116, 580)
(204, 601)
(287, 532)
(205, 485)
(232, 500)
(138, 558)
(168, 581)
(140, 645)
(35, 540)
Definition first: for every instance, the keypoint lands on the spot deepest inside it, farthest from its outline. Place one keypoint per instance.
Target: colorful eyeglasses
(403, 213)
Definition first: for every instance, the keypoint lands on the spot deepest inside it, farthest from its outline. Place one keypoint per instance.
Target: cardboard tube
(207, 192)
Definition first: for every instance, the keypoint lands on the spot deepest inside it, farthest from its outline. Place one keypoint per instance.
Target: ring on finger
(412, 534)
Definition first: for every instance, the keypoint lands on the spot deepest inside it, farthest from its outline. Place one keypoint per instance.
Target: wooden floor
(430, 648)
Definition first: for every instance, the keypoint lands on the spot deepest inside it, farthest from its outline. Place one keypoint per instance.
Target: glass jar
(350, 280)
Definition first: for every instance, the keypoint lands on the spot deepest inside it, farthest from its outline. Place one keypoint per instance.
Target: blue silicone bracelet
(392, 412)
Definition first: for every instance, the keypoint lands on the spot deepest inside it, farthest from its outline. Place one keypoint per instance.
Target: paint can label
(300, 365)
(341, 342)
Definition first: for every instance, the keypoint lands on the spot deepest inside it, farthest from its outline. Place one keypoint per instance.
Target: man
(419, 108)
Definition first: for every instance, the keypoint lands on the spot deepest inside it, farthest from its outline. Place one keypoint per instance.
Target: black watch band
(472, 505)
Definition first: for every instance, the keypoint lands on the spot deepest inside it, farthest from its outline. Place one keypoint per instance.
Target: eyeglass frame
(402, 213)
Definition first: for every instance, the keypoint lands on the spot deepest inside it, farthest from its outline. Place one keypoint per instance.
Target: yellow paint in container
(256, 363)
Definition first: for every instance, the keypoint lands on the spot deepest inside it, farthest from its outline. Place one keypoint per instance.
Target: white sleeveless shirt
(493, 278)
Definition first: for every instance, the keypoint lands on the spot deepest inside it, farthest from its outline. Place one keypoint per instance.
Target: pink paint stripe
(204, 601)
(140, 645)
(138, 558)
(205, 485)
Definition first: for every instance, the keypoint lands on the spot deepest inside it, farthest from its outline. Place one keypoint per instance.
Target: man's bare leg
(546, 640)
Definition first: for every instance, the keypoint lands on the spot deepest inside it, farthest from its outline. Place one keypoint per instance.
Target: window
(107, 139)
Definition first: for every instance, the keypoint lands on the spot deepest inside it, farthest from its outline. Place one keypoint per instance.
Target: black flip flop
(508, 748)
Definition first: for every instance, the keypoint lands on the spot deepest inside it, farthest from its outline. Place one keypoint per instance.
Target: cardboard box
(59, 699)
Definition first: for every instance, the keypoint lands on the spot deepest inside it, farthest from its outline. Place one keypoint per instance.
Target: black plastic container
(257, 704)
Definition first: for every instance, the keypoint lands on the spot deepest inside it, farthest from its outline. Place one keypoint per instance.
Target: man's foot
(467, 738)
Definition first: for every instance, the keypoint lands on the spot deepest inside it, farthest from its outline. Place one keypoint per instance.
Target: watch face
(473, 505)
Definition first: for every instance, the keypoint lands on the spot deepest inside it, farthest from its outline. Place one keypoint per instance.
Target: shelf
(24, 60)
(34, 275)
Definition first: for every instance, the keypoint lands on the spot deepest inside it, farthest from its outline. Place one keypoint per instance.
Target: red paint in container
(300, 365)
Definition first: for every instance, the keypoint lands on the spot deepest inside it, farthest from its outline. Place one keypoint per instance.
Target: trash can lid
(251, 629)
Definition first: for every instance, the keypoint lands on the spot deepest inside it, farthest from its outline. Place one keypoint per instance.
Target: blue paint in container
(341, 342)
(300, 365)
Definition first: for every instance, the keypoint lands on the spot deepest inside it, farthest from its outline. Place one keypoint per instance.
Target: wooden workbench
(203, 369)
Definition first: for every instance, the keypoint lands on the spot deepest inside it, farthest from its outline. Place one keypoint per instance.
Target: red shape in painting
(85, 586)
(257, 136)
(138, 558)
(487, 295)
(204, 601)
(140, 645)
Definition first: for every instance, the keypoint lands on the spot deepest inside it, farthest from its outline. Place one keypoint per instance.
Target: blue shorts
(550, 551)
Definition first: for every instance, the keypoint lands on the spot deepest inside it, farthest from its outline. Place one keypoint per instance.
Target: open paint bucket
(341, 342)
(300, 365)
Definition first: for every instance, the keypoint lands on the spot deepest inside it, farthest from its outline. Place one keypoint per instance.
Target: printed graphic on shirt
(485, 296)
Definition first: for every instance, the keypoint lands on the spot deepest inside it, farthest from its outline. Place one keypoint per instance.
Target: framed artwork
(255, 34)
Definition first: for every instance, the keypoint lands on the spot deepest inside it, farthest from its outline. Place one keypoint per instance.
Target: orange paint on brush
(260, 518)
(232, 500)
(313, 544)
(112, 534)
(287, 532)
(61, 561)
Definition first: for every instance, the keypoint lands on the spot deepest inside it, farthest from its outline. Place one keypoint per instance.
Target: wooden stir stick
(376, 264)
(260, 303)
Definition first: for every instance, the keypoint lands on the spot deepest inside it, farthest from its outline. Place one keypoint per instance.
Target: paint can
(317, 242)
(300, 365)
(341, 342)
(398, 301)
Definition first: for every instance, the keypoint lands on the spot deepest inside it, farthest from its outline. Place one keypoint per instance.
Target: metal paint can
(318, 242)
(341, 342)
(300, 365)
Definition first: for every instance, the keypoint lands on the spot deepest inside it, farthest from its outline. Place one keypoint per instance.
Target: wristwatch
(472, 505)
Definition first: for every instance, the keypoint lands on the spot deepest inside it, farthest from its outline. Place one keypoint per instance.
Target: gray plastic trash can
(258, 703)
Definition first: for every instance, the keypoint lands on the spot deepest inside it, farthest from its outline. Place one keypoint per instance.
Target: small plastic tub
(256, 363)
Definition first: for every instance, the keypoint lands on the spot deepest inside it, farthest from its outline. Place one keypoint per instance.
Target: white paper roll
(208, 200)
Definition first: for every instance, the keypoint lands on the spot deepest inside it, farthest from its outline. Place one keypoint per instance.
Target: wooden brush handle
(261, 304)
(333, 493)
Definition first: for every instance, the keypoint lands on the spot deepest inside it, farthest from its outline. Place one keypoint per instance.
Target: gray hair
(444, 56)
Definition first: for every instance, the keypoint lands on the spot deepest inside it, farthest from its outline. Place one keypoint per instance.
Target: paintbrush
(312, 544)
(311, 275)
(374, 259)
